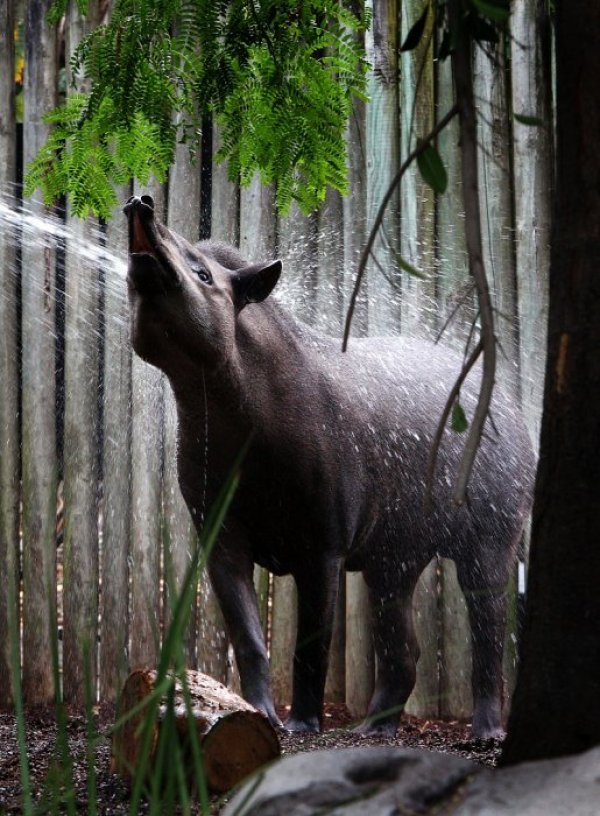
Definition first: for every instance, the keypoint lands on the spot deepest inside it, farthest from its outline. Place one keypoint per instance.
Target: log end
(237, 745)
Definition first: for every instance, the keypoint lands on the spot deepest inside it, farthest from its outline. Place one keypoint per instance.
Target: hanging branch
(463, 78)
(435, 445)
(381, 212)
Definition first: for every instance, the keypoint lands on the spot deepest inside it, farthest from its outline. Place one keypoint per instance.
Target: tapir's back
(393, 392)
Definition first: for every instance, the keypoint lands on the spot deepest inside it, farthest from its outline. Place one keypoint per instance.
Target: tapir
(335, 475)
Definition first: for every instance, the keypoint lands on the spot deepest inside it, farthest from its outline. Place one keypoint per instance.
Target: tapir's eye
(201, 272)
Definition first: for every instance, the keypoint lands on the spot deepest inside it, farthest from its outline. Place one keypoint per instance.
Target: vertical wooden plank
(329, 309)
(532, 167)
(425, 698)
(258, 243)
(297, 249)
(283, 637)
(495, 180)
(179, 535)
(383, 143)
(416, 198)
(453, 281)
(456, 696)
(82, 325)
(497, 223)
(38, 385)
(212, 643)
(359, 654)
(330, 265)
(335, 681)
(9, 363)
(418, 310)
(116, 475)
(146, 484)
(225, 203)
(456, 699)
(355, 211)
(258, 222)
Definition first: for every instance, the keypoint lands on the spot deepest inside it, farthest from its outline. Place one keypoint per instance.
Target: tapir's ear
(254, 283)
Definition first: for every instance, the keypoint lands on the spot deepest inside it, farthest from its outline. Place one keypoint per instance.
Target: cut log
(235, 739)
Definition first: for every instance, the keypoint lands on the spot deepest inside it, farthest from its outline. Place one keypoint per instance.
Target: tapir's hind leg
(396, 648)
(318, 584)
(487, 616)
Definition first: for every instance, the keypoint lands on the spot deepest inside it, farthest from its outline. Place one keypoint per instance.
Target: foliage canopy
(278, 77)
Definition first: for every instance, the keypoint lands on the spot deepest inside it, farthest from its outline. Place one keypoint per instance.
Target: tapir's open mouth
(150, 268)
(142, 229)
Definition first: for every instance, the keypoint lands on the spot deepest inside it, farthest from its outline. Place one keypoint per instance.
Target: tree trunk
(235, 739)
(555, 707)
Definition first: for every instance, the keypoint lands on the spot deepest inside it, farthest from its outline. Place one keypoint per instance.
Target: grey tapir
(334, 478)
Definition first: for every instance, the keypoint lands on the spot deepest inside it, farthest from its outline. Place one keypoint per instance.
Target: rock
(386, 780)
(356, 782)
(568, 786)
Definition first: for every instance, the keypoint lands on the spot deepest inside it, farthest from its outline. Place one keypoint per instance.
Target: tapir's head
(185, 299)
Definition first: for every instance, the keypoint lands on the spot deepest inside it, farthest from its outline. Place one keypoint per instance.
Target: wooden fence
(88, 429)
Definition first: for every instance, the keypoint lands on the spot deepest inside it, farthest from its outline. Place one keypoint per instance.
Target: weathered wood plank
(456, 696)
(258, 226)
(179, 535)
(146, 478)
(225, 202)
(297, 247)
(497, 223)
(330, 265)
(9, 364)
(383, 143)
(355, 213)
(116, 457)
(425, 698)
(283, 637)
(360, 654)
(39, 461)
(495, 195)
(418, 308)
(532, 167)
(81, 489)
(456, 699)
(419, 315)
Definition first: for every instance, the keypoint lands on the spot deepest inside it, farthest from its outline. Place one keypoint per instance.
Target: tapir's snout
(152, 263)
(142, 228)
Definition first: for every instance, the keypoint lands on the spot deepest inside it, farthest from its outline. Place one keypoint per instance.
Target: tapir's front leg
(231, 578)
(318, 584)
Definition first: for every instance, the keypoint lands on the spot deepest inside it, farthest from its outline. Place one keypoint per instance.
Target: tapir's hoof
(376, 728)
(302, 725)
(488, 733)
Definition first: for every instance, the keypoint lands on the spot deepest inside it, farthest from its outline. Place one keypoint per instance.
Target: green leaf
(410, 269)
(432, 169)
(445, 47)
(413, 38)
(481, 29)
(497, 10)
(459, 422)
(531, 121)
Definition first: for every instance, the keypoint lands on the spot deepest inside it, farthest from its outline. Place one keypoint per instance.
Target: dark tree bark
(555, 708)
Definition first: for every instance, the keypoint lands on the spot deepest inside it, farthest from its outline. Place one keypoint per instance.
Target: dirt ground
(112, 794)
